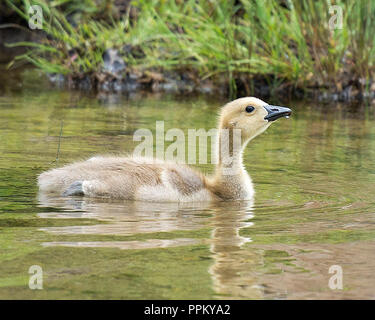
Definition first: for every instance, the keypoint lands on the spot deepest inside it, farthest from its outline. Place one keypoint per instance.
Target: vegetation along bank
(304, 48)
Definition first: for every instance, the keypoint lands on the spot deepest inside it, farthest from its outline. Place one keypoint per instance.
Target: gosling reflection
(124, 218)
(233, 270)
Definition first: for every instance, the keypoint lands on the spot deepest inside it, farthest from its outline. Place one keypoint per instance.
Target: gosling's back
(127, 178)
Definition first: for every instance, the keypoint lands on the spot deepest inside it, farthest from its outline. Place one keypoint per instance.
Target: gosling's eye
(250, 109)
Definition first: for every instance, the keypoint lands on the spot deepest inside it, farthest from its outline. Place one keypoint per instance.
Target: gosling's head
(251, 115)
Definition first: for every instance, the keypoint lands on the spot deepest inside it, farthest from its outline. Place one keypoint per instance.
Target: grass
(232, 42)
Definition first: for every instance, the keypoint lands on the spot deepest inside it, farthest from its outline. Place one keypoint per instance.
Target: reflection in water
(123, 217)
(153, 243)
(232, 268)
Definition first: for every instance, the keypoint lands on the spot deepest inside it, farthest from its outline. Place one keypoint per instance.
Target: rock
(323, 96)
(106, 86)
(132, 86)
(205, 89)
(113, 63)
(118, 86)
(85, 84)
(57, 79)
(170, 86)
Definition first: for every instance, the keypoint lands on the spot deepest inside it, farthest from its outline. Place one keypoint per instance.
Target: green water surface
(314, 177)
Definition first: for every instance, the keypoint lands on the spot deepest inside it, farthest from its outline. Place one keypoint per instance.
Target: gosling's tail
(53, 181)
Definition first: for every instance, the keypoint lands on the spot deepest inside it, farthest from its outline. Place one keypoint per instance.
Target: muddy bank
(115, 76)
(128, 81)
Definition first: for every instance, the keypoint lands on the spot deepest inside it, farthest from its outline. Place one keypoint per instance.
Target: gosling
(155, 180)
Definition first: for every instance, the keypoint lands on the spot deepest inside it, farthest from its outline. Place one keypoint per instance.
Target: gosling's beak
(276, 112)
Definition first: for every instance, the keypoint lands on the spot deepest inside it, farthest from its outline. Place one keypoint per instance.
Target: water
(314, 206)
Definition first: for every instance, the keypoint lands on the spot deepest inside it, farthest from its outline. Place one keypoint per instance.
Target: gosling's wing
(111, 172)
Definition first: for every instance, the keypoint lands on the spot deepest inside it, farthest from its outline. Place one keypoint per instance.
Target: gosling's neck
(229, 153)
(231, 181)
